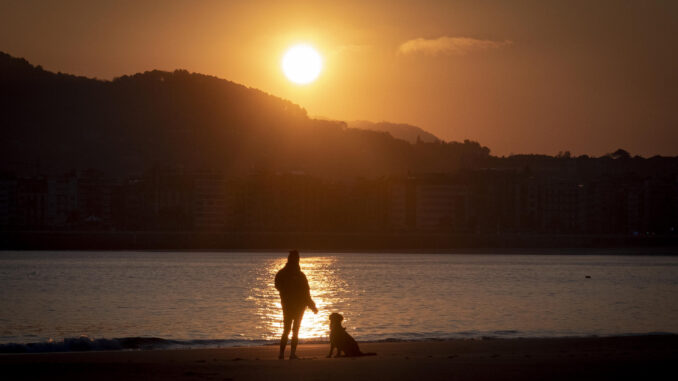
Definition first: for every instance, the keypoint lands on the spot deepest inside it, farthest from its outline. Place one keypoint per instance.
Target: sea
(102, 300)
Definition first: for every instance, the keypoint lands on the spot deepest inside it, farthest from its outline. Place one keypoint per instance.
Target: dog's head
(335, 318)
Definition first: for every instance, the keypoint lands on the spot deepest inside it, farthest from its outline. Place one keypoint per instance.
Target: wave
(87, 344)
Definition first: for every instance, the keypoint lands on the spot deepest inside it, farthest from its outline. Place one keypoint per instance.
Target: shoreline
(593, 358)
(324, 241)
(583, 251)
(85, 344)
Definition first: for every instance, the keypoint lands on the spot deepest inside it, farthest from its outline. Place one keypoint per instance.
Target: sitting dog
(341, 340)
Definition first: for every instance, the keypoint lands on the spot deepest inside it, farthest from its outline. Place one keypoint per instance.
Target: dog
(341, 340)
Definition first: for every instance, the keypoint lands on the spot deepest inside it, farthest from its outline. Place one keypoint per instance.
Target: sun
(302, 64)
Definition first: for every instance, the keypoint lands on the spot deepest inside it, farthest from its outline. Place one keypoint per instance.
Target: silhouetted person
(295, 296)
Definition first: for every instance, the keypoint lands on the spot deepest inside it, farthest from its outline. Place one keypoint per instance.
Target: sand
(631, 357)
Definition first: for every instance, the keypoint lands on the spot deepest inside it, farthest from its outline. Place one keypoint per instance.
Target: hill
(55, 122)
(402, 131)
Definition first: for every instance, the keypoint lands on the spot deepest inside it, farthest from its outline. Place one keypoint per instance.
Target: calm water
(229, 298)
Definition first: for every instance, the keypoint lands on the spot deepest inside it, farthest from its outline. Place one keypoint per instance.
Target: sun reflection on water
(324, 282)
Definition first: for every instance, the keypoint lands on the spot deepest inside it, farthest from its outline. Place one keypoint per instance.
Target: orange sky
(517, 76)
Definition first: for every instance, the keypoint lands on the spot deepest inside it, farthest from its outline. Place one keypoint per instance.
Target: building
(62, 200)
(430, 202)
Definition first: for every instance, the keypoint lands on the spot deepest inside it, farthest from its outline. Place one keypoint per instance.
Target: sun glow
(325, 289)
(302, 64)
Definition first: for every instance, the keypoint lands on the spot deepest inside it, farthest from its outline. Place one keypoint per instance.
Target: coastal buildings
(486, 201)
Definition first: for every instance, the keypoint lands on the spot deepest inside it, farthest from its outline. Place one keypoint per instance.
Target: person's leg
(287, 323)
(295, 333)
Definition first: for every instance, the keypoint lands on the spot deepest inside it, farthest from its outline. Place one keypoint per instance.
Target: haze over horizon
(534, 77)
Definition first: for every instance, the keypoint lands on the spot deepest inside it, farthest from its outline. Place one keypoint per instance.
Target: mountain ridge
(55, 122)
(402, 131)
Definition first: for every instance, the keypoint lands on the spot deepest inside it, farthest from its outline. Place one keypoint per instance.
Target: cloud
(448, 46)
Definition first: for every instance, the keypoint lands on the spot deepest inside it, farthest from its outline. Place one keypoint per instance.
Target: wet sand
(639, 357)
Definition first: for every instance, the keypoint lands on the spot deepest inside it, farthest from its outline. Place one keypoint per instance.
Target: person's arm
(310, 303)
(277, 281)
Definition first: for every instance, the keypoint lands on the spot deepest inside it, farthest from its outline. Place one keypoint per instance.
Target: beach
(639, 357)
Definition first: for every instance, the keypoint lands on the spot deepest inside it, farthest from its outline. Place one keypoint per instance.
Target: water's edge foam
(86, 344)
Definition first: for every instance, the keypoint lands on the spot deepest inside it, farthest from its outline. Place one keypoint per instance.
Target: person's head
(293, 257)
